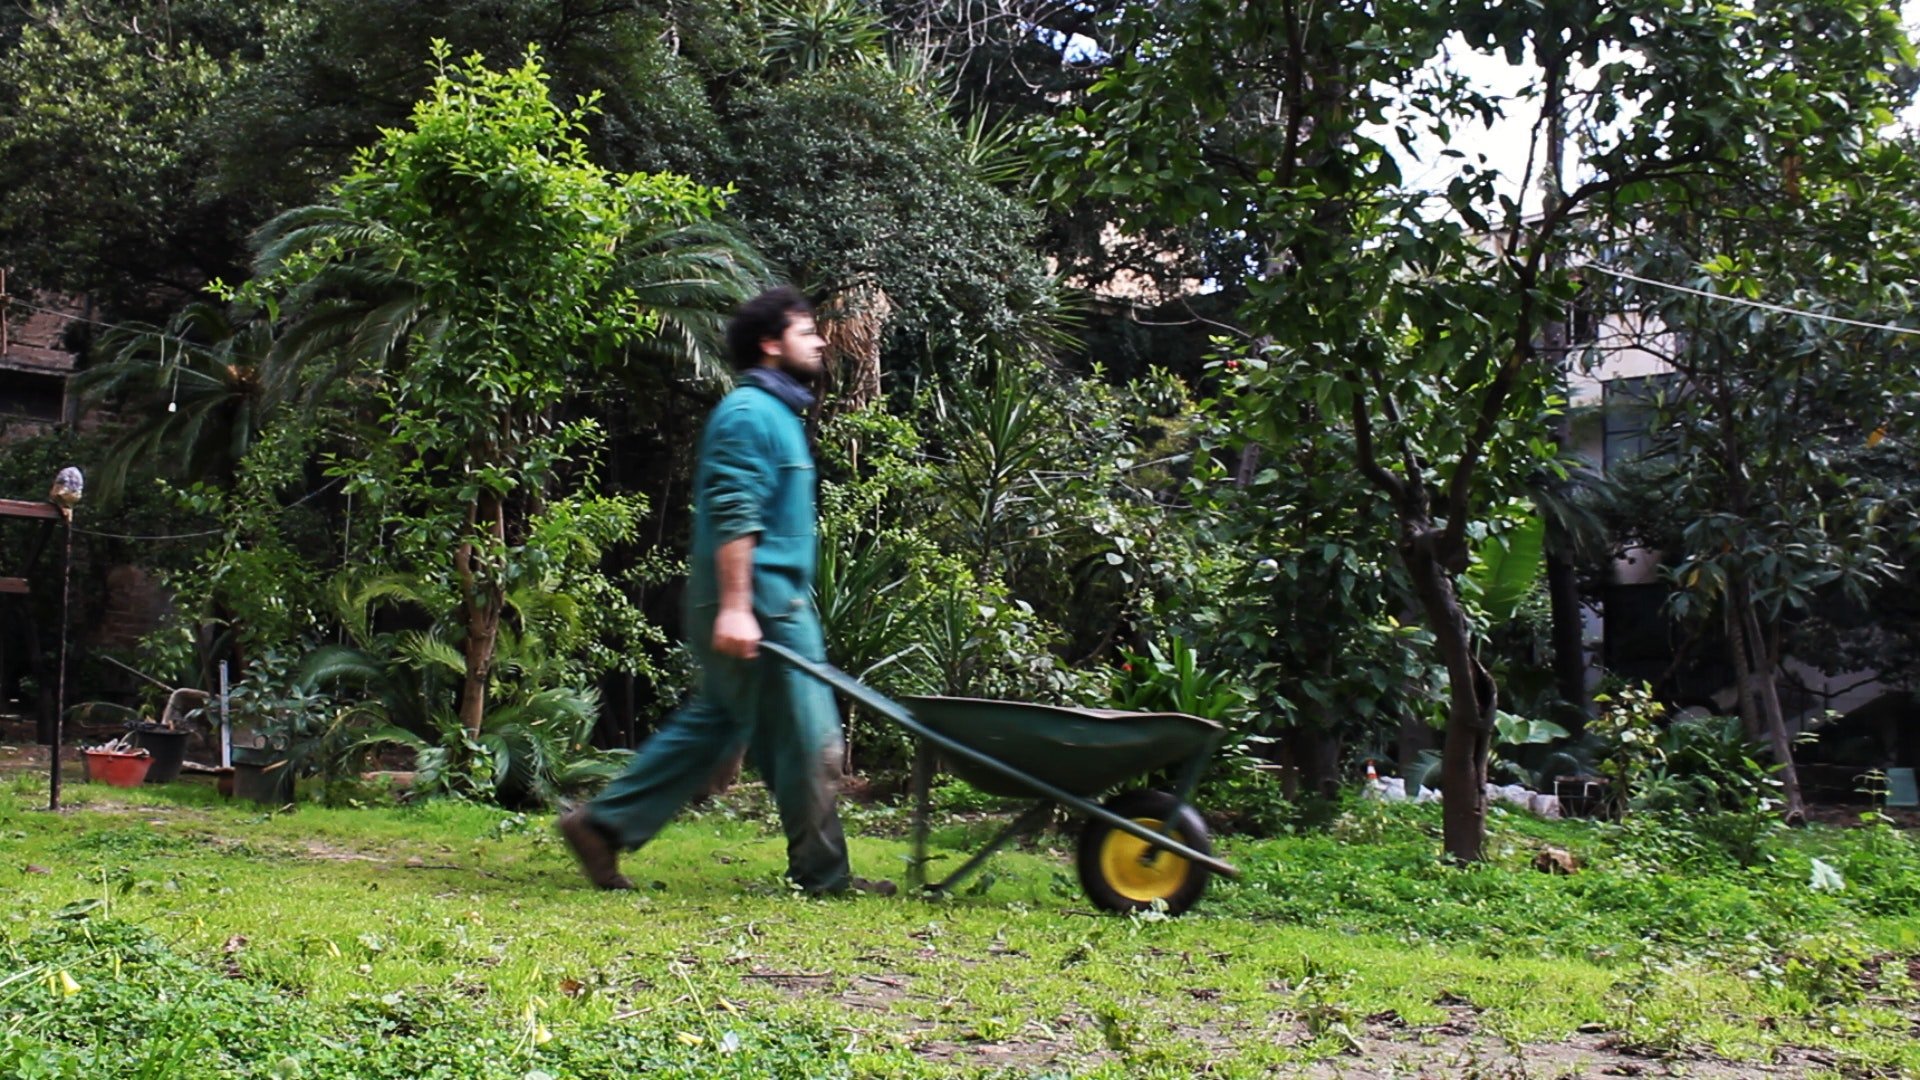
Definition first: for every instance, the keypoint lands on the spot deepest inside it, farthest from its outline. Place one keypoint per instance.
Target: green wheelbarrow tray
(1080, 751)
(1142, 849)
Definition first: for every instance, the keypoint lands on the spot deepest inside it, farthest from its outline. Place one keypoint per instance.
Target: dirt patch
(1457, 1048)
(1010, 1054)
(1848, 815)
(321, 851)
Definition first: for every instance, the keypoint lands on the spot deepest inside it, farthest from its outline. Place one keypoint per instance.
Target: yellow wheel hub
(1139, 871)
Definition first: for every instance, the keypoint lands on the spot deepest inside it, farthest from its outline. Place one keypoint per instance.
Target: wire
(1761, 304)
(70, 317)
(209, 532)
(168, 536)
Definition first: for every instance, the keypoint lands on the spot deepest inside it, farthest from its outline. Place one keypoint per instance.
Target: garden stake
(66, 492)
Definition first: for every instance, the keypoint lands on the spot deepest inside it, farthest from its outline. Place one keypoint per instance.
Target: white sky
(1504, 145)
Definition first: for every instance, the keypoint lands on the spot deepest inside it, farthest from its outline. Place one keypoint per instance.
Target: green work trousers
(787, 721)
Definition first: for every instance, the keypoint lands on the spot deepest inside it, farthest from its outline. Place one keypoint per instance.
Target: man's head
(775, 329)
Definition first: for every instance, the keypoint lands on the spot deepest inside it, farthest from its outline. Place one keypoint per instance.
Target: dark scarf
(781, 385)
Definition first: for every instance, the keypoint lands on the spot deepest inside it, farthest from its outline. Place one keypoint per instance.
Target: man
(750, 577)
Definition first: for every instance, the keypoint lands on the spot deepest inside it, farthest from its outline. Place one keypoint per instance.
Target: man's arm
(740, 480)
(736, 632)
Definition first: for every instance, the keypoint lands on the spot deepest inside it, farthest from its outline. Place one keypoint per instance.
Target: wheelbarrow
(1139, 850)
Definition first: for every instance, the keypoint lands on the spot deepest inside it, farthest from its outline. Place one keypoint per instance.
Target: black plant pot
(262, 776)
(268, 785)
(169, 750)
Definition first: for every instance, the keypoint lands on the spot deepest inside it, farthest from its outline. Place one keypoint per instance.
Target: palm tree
(691, 276)
(356, 309)
(401, 688)
(359, 313)
(196, 393)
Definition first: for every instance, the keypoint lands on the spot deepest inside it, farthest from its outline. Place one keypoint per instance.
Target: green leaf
(1507, 565)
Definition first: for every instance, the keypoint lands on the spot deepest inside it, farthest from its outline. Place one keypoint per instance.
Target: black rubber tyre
(1109, 860)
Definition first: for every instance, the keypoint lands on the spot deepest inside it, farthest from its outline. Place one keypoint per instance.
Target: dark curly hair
(765, 316)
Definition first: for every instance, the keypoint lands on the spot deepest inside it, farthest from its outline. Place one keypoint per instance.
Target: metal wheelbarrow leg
(1162, 835)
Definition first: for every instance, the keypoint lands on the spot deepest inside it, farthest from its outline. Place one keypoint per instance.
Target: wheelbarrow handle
(892, 710)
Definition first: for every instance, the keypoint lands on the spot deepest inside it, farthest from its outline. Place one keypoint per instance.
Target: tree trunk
(1767, 691)
(1753, 661)
(1563, 583)
(1286, 755)
(1742, 659)
(483, 600)
(1471, 701)
(1569, 641)
(1319, 760)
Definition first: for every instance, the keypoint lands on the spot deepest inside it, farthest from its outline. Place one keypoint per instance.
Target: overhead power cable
(1743, 301)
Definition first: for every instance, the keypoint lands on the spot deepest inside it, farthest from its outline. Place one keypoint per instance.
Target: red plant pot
(118, 770)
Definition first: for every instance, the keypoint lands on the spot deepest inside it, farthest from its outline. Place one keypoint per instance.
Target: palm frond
(430, 650)
(340, 663)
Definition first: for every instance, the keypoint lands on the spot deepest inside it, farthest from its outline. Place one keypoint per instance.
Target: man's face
(799, 350)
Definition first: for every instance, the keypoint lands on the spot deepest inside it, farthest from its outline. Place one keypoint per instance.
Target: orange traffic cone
(1373, 777)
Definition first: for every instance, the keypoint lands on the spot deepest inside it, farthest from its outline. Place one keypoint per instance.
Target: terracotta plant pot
(118, 770)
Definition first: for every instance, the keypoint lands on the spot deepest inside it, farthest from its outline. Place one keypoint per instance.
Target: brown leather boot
(598, 860)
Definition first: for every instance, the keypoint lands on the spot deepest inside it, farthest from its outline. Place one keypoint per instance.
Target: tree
(474, 261)
(1415, 322)
(197, 393)
(107, 138)
(858, 202)
(1756, 460)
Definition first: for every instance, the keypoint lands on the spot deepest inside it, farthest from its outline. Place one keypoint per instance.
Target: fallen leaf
(32, 869)
(1555, 860)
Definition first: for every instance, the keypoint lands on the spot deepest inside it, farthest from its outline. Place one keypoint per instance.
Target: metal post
(60, 689)
(226, 724)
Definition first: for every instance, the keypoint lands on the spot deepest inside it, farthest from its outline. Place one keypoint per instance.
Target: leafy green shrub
(401, 687)
(1237, 795)
(1174, 680)
(1707, 763)
(1702, 767)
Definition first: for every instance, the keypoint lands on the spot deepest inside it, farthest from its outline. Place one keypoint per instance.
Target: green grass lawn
(162, 932)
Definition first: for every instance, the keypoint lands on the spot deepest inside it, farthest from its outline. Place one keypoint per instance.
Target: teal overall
(754, 478)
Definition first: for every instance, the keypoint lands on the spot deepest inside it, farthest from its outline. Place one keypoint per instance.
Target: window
(32, 395)
(1631, 406)
(1643, 642)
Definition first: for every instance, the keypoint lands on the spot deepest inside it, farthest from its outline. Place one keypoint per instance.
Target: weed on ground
(163, 932)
